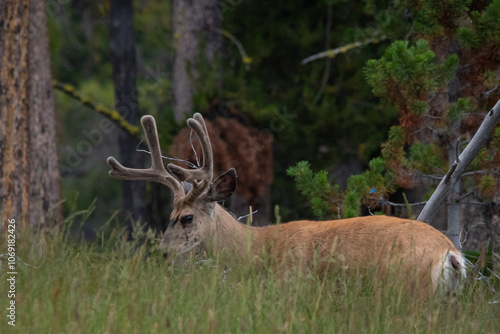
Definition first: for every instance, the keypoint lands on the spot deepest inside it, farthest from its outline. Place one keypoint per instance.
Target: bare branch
(482, 171)
(187, 162)
(427, 176)
(192, 147)
(397, 204)
(244, 57)
(489, 92)
(462, 243)
(247, 215)
(343, 49)
(457, 169)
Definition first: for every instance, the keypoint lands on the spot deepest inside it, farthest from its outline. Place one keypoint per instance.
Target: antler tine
(157, 172)
(206, 171)
(201, 177)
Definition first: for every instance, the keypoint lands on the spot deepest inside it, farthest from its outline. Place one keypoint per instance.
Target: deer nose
(163, 246)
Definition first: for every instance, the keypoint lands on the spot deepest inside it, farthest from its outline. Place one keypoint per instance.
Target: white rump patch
(445, 276)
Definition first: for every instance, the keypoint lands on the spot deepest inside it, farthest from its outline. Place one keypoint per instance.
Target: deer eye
(186, 220)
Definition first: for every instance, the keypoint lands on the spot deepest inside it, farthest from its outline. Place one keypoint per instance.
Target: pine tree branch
(343, 49)
(455, 172)
(110, 114)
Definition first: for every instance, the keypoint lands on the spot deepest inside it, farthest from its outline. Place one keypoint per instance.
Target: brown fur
(363, 243)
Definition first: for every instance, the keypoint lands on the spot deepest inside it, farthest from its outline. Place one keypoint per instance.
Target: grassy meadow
(114, 285)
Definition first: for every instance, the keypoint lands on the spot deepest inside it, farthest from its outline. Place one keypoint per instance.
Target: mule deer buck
(359, 243)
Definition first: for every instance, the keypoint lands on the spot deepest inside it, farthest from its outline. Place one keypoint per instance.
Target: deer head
(196, 194)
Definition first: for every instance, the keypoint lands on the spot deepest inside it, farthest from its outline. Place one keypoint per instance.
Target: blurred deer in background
(358, 243)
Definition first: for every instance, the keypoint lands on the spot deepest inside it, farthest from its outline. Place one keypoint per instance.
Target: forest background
(379, 117)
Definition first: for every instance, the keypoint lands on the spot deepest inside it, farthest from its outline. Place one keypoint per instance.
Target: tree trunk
(453, 204)
(431, 208)
(495, 232)
(197, 26)
(160, 206)
(122, 52)
(29, 173)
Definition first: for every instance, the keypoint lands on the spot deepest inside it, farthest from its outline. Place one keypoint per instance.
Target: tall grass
(114, 285)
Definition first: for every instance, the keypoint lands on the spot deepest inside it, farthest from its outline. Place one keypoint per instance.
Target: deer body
(356, 243)
(363, 243)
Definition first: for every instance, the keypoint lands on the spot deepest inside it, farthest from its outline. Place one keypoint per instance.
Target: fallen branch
(455, 172)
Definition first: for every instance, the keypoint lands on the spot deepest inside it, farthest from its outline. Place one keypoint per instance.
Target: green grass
(118, 286)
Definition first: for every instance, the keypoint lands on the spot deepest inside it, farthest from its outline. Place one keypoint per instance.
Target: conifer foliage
(442, 77)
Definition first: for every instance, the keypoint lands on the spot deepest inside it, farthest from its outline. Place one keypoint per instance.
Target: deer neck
(234, 238)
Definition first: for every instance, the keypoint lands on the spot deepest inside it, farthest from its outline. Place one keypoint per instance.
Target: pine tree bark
(495, 232)
(29, 173)
(453, 205)
(123, 59)
(197, 26)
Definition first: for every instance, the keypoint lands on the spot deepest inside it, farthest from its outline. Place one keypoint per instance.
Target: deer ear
(223, 187)
(187, 187)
